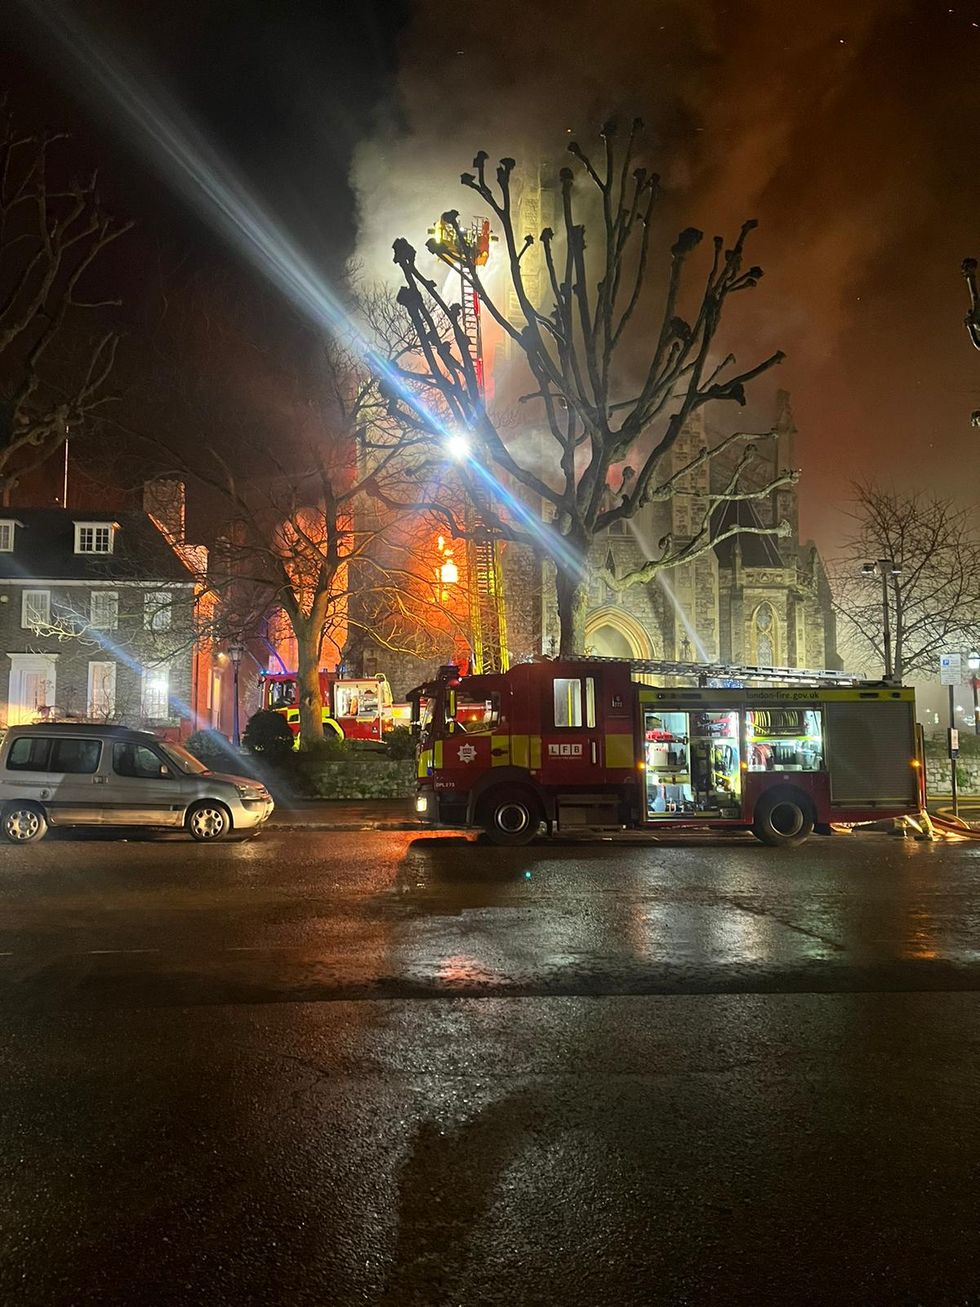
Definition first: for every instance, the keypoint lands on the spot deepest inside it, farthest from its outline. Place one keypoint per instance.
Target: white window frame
(7, 528)
(155, 693)
(158, 611)
(102, 684)
(112, 596)
(28, 599)
(94, 527)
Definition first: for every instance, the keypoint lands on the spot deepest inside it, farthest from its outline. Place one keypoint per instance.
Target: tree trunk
(573, 601)
(308, 678)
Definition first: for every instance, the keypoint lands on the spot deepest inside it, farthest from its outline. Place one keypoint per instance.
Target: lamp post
(973, 663)
(235, 651)
(886, 568)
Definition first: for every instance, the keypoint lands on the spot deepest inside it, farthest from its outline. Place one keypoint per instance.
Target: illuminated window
(94, 537)
(102, 690)
(156, 692)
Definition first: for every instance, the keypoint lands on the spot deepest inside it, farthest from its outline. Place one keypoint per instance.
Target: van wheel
(24, 823)
(783, 819)
(208, 821)
(511, 816)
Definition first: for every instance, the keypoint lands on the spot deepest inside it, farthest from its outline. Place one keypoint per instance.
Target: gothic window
(764, 636)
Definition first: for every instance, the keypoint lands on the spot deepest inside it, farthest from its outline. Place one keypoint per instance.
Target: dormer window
(94, 537)
(7, 536)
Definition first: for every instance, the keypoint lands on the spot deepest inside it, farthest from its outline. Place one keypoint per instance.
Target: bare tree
(611, 435)
(51, 233)
(933, 596)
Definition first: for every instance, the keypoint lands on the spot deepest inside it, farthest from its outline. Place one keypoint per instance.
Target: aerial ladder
(488, 620)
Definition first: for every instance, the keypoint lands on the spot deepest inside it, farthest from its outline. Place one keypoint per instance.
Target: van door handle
(594, 745)
(498, 753)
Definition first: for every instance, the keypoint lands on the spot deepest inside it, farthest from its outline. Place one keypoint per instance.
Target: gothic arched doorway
(611, 633)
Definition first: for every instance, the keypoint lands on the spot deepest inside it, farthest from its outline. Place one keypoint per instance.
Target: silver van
(77, 775)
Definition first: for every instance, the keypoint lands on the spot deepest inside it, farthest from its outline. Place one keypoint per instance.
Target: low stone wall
(381, 779)
(967, 775)
(967, 764)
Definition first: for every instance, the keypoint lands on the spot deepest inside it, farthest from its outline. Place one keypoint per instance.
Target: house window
(156, 692)
(105, 610)
(102, 691)
(6, 537)
(94, 537)
(158, 610)
(35, 609)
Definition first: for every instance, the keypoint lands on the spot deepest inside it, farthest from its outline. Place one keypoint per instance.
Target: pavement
(335, 1068)
(344, 815)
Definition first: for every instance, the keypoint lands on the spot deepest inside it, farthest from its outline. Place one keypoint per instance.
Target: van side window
(29, 753)
(80, 757)
(138, 761)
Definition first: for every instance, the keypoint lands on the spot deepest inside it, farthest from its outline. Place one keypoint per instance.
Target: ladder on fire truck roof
(487, 616)
(719, 674)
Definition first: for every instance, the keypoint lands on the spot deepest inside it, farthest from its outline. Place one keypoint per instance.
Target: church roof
(757, 550)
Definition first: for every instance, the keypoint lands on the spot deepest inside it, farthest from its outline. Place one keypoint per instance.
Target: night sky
(848, 130)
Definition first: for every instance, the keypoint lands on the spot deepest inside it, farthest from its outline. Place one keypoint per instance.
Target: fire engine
(359, 708)
(586, 743)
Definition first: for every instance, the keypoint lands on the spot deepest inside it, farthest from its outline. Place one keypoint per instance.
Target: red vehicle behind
(578, 743)
(356, 708)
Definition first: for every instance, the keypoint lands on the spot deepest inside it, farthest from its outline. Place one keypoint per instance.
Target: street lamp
(973, 663)
(886, 568)
(235, 651)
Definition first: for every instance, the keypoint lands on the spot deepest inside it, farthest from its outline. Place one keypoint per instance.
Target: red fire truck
(582, 743)
(359, 708)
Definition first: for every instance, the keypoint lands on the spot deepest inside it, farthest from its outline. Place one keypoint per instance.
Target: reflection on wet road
(373, 1068)
(326, 916)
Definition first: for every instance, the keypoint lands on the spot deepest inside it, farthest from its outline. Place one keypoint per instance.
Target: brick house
(97, 619)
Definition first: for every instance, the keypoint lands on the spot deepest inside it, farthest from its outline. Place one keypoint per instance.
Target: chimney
(165, 501)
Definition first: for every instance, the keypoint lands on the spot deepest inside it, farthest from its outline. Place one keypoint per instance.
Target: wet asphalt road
(375, 1068)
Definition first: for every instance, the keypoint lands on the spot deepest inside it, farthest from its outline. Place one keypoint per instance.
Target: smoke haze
(848, 131)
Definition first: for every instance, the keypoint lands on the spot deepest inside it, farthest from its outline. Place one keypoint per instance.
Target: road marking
(102, 951)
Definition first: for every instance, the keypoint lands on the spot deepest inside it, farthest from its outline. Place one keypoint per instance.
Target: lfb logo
(467, 753)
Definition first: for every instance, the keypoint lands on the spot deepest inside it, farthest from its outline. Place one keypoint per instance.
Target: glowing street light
(457, 446)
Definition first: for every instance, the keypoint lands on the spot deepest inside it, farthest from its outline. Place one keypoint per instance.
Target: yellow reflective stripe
(535, 741)
(437, 754)
(425, 757)
(751, 695)
(520, 751)
(619, 750)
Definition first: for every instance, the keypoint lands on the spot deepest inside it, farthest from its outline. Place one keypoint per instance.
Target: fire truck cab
(358, 708)
(579, 743)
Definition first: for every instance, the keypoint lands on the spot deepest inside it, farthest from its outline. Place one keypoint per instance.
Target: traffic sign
(950, 669)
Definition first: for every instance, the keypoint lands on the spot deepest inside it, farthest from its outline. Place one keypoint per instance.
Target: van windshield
(183, 760)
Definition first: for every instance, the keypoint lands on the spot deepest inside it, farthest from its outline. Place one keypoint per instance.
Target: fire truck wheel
(511, 816)
(782, 819)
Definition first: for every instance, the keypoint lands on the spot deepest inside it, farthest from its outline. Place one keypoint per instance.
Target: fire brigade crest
(467, 752)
